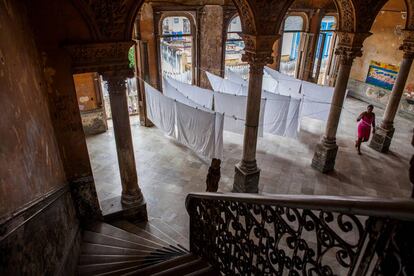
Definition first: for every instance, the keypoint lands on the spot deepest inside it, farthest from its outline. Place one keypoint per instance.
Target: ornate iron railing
(302, 235)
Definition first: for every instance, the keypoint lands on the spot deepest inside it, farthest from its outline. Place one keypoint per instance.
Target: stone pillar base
(246, 182)
(324, 157)
(381, 140)
(113, 209)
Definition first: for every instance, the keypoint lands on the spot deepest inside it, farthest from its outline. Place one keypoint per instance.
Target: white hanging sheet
(317, 101)
(226, 86)
(173, 93)
(234, 109)
(269, 83)
(218, 148)
(160, 110)
(200, 96)
(287, 85)
(196, 129)
(235, 77)
(276, 113)
(293, 118)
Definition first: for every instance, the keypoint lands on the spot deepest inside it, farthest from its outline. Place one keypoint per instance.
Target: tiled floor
(168, 171)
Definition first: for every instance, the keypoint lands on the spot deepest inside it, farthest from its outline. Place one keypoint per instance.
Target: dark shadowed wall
(38, 224)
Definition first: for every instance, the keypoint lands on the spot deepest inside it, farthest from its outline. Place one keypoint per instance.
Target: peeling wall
(39, 229)
(211, 41)
(30, 165)
(90, 103)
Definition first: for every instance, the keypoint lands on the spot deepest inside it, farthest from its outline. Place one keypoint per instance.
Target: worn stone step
(116, 232)
(147, 233)
(92, 269)
(170, 232)
(97, 259)
(207, 271)
(98, 238)
(184, 268)
(150, 270)
(99, 249)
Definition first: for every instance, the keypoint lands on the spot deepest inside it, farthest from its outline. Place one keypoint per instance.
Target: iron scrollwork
(244, 238)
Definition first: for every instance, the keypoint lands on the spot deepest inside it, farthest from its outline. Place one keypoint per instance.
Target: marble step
(150, 270)
(99, 249)
(98, 259)
(146, 231)
(170, 232)
(98, 238)
(183, 269)
(207, 271)
(116, 232)
(96, 269)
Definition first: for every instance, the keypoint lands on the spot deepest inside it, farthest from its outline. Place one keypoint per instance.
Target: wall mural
(382, 75)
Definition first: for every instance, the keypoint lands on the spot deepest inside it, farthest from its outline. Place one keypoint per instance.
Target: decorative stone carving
(109, 20)
(350, 46)
(258, 49)
(408, 44)
(100, 57)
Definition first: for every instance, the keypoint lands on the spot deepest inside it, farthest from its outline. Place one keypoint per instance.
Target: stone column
(132, 197)
(381, 140)
(325, 153)
(258, 53)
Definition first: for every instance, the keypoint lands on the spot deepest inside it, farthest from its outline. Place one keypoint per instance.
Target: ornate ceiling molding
(109, 20)
(99, 57)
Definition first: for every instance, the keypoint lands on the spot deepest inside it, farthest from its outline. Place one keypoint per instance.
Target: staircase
(126, 248)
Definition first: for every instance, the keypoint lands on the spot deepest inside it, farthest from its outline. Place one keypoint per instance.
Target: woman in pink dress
(365, 119)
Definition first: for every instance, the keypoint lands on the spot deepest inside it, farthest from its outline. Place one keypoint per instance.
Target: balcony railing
(245, 234)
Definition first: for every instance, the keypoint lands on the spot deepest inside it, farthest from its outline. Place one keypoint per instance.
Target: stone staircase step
(207, 271)
(145, 232)
(93, 269)
(97, 259)
(98, 238)
(150, 270)
(116, 232)
(184, 268)
(170, 232)
(98, 249)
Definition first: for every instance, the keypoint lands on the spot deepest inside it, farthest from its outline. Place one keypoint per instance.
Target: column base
(381, 140)
(113, 209)
(246, 181)
(324, 157)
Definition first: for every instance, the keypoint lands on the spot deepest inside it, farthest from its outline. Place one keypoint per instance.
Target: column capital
(99, 57)
(258, 49)
(408, 44)
(350, 46)
(117, 80)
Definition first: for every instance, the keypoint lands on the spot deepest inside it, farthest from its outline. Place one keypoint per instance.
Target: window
(324, 50)
(235, 48)
(176, 48)
(291, 45)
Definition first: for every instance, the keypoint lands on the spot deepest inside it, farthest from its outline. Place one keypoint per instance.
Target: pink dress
(364, 127)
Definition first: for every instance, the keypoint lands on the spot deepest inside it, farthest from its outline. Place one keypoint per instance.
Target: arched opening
(292, 47)
(325, 50)
(234, 48)
(176, 48)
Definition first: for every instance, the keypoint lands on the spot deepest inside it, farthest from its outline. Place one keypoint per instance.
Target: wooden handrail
(396, 208)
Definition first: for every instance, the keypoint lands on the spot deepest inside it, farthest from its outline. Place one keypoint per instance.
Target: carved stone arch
(246, 16)
(109, 20)
(346, 15)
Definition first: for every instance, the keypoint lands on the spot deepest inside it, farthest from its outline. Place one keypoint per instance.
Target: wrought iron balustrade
(302, 235)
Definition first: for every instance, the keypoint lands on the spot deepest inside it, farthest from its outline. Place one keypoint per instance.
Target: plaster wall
(39, 230)
(30, 164)
(90, 103)
(211, 41)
